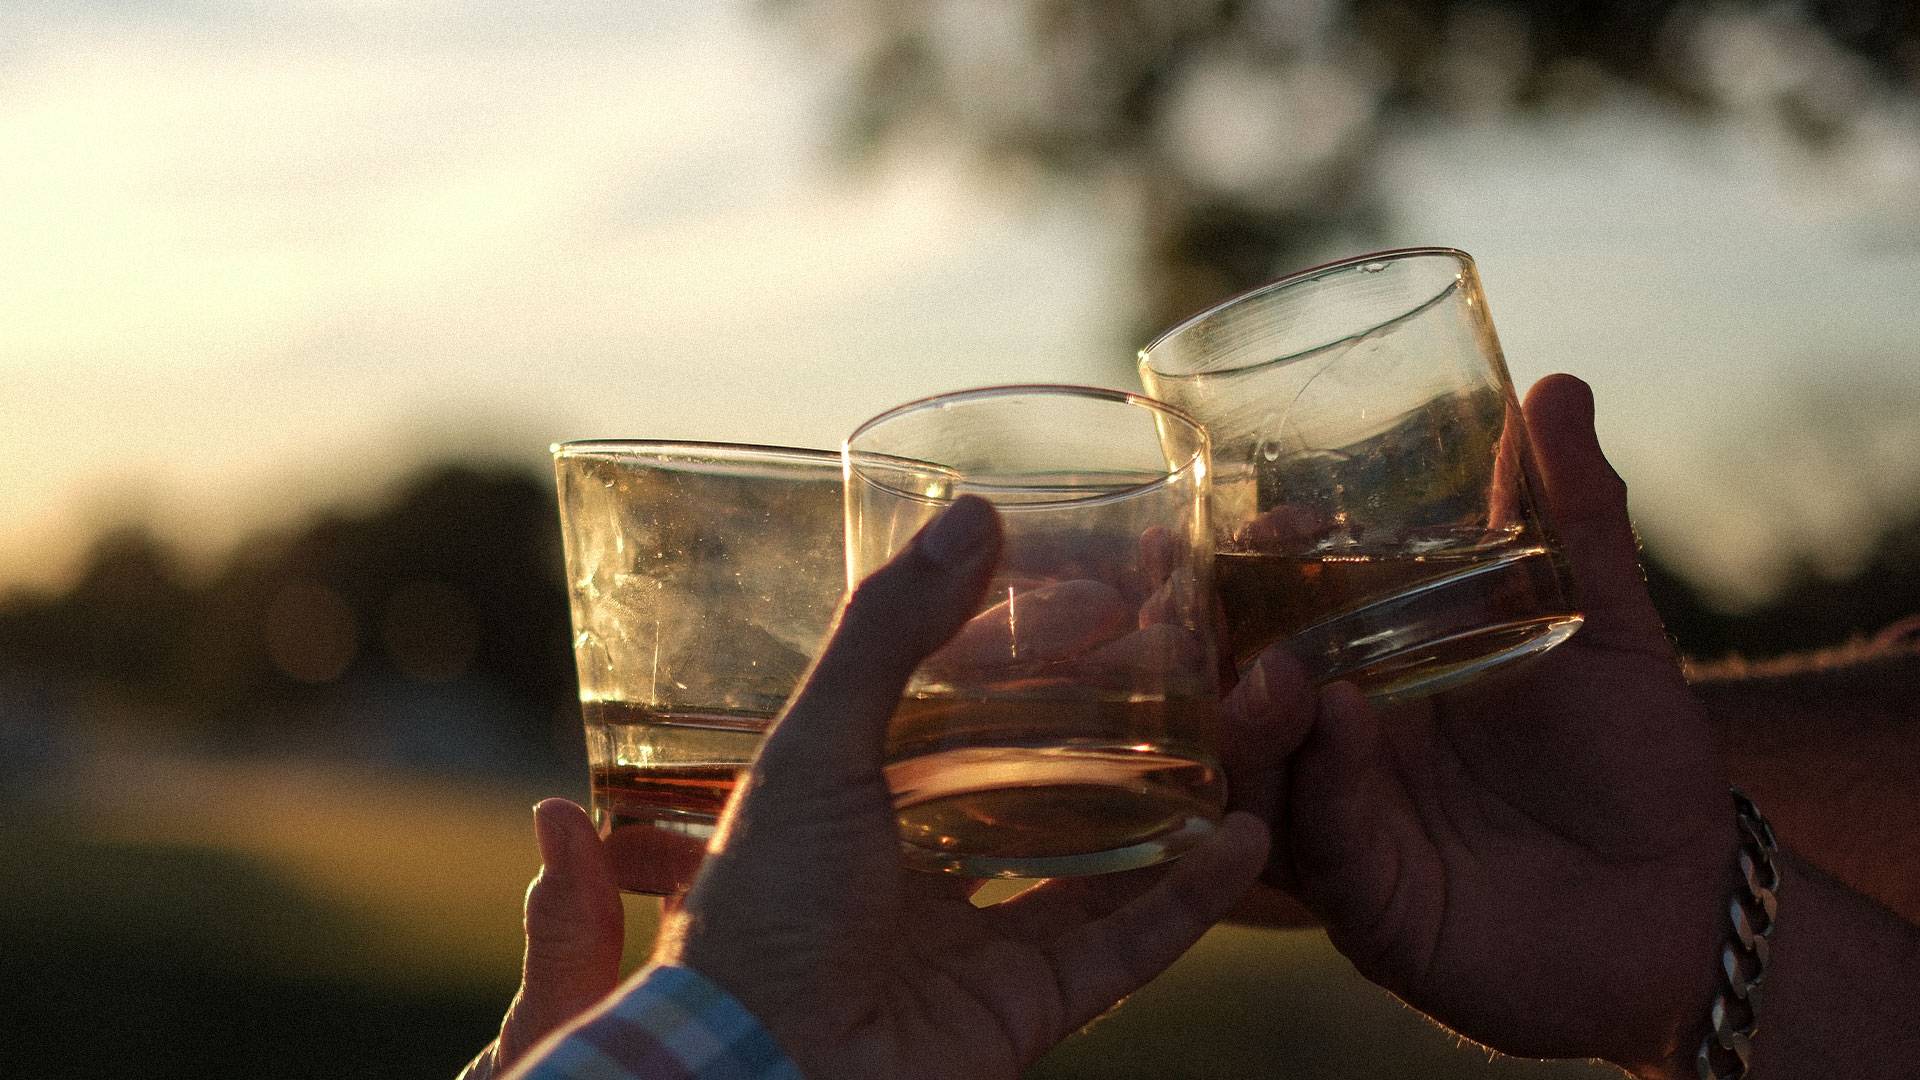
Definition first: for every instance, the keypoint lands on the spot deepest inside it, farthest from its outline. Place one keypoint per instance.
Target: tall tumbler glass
(1373, 501)
(1070, 727)
(703, 578)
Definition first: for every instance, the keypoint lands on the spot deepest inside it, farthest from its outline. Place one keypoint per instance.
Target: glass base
(1428, 670)
(1052, 811)
(1444, 633)
(1164, 848)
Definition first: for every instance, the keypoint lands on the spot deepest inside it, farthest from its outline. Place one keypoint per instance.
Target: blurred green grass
(1256, 1003)
(135, 960)
(265, 920)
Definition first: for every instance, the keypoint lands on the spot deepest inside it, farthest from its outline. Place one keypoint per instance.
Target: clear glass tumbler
(1373, 500)
(703, 578)
(1070, 727)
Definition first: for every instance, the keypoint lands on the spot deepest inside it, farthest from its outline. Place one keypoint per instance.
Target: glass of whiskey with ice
(1373, 501)
(703, 577)
(1069, 728)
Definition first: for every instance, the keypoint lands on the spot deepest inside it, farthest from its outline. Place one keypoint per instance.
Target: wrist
(1842, 980)
(1717, 1022)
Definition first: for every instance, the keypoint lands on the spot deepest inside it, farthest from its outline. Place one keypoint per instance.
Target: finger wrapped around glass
(702, 578)
(1070, 727)
(1373, 501)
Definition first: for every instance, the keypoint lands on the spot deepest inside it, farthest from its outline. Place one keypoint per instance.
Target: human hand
(861, 968)
(574, 933)
(1124, 625)
(1540, 861)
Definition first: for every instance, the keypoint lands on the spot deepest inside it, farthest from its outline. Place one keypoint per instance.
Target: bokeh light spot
(310, 633)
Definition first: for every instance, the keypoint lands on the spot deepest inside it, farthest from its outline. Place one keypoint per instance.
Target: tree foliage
(135, 641)
(1248, 128)
(454, 588)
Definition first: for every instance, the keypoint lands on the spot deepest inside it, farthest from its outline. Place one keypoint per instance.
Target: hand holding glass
(1069, 728)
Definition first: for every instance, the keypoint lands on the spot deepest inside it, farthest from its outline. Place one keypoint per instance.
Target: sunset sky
(264, 257)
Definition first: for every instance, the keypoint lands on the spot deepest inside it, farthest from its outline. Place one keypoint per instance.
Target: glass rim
(1154, 406)
(689, 450)
(1407, 254)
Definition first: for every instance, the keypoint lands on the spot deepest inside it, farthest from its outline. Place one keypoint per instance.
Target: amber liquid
(1270, 598)
(688, 793)
(1026, 787)
(1037, 787)
(660, 781)
(1396, 625)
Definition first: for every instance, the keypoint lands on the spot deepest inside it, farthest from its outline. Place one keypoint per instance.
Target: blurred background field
(296, 297)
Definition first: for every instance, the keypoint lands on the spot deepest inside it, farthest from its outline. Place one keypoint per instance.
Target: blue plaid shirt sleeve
(673, 1025)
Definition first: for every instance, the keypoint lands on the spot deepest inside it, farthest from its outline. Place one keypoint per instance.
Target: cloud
(250, 245)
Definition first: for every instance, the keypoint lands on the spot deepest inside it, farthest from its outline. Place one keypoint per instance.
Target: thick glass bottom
(1445, 633)
(1056, 811)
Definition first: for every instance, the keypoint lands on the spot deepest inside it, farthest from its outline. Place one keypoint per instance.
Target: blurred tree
(1817, 607)
(119, 632)
(455, 580)
(1246, 129)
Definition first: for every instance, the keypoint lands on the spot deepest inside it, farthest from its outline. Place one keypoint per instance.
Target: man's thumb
(894, 619)
(1587, 502)
(574, 928)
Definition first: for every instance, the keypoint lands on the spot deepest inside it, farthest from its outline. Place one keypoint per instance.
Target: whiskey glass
(703, 578)
(1373, 498)
(1069, 728)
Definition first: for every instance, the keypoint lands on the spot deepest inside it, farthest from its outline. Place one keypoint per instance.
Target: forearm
(1839, 993)
(1829, 746)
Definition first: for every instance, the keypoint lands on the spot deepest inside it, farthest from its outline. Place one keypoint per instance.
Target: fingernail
(1345, 698)
(545, 837)
(1259, 693)
(548, 831)
(1244, 826)
(1250, 835)
(956, 535)
(1583, 395)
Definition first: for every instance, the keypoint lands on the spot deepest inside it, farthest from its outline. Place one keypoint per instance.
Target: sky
(262, 258)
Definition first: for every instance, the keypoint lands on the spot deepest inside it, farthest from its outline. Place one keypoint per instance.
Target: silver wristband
(1725, 1052)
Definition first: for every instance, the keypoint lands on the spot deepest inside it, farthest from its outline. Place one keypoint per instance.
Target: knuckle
(565, 945)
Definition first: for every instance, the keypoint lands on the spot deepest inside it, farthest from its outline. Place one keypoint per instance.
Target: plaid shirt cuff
(675, 1025)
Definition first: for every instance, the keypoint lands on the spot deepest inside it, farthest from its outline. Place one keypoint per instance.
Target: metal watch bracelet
(1725, 1052)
